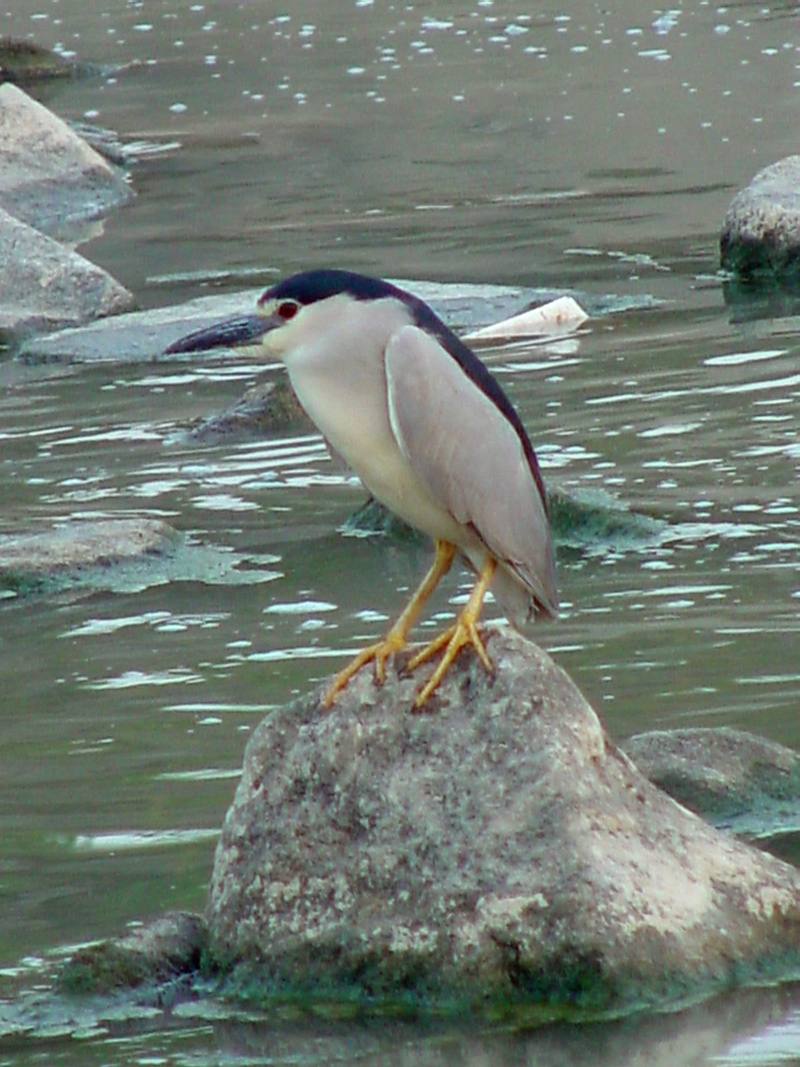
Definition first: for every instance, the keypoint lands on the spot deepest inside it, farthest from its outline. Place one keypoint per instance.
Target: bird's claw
(464, 631)
(381, 652)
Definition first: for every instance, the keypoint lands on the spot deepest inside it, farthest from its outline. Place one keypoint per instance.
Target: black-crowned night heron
(430, 433)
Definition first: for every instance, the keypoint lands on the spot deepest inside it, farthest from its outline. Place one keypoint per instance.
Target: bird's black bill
(230, 333)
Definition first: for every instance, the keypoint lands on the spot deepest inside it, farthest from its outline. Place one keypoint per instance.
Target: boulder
(730, 777)
(761, 230)
(45, 285)
(497, 850)
(174, 331)
(48, 174)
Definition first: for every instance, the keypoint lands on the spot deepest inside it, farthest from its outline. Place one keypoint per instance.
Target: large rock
(45, 285)
(496, 849)
(48, 174)
(761, 230)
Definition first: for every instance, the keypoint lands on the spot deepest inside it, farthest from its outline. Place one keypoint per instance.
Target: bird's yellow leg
(464, 631)
(396, 639)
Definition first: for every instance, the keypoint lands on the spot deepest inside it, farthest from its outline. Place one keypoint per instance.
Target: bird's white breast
(336, 366)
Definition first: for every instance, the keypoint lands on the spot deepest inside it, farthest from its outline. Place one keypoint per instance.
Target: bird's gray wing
(470, 457)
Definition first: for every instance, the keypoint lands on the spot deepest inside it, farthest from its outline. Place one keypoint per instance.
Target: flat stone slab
(135, 337)
(145, 335)
(761, 230)
(46, 286)
(29, 561)
(48, 174)
(498, 850)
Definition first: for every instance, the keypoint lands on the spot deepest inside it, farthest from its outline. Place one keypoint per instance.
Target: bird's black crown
(313, 285)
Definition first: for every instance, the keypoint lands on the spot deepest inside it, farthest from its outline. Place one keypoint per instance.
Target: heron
(431, 434)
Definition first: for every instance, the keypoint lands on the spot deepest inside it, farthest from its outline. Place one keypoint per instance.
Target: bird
(431, 434)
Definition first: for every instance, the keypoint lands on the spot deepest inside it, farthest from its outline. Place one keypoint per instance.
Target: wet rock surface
(730, 777)
(23, 61)
(761, 229)
(145, 335)
(498, 849)
(137, 336)
(48, 174)
(29, 561)
(266, 408)
(156, 952)
(581, 521)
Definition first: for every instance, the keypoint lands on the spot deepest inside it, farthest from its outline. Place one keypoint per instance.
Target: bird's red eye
(287, 310)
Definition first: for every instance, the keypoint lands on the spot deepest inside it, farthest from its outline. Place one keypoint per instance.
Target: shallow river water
(576, 145)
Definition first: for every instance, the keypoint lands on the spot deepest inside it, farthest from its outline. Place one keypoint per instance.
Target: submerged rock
(45, 285)
(156, 952)
(582, 520)
(24, 61)
(29, 562)
(761, 229)
(497, 850)
(266, 407)
(48, 174)
(729, 777)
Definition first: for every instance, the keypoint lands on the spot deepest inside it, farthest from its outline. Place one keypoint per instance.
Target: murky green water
(482, 142)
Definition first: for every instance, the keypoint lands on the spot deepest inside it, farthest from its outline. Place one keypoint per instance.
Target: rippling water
(477, 142)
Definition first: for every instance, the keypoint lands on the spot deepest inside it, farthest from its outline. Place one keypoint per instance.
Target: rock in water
(730, 777)
(45, 285)
(496, 850)
(48, 174)
(761, 230)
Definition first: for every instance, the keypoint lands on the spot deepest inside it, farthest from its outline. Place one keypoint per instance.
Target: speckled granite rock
(761, 230)
(498, 849)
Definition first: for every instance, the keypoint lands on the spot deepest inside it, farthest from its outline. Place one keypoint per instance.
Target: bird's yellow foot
(464, 631)
(380, 652)
(395, 641)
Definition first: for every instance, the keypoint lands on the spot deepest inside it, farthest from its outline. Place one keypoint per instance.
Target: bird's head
(307, 304)
(313, 302)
